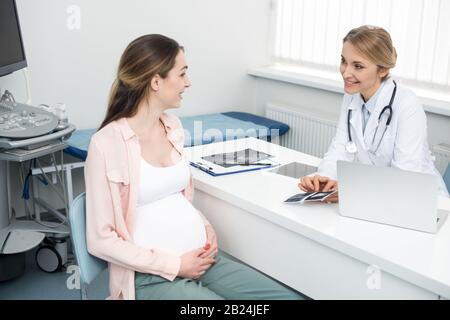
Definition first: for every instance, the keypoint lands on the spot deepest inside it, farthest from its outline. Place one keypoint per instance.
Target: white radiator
(308, 133)
(442, 154)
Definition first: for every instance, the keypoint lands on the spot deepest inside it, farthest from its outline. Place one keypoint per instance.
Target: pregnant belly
(170, 224)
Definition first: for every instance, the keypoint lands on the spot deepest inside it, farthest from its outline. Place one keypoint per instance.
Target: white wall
(222, 38)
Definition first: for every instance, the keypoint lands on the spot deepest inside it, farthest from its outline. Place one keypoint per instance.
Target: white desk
(311, 247)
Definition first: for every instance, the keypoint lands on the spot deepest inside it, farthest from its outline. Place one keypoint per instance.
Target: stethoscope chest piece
(351, 147)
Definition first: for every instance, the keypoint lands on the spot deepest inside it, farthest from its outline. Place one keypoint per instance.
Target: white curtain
(309, 33)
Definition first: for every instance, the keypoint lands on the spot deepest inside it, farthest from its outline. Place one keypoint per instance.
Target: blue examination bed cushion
(202, 129)
(216, 127)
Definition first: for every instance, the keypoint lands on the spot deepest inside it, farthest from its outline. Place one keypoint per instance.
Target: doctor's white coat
(404, 144)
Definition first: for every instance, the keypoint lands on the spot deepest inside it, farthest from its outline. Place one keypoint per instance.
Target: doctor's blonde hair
(375, 44)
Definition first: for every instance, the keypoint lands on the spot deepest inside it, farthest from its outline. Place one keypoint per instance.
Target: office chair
(89, 266)
(447, 177)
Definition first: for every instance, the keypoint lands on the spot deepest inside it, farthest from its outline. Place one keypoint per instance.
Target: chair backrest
(90, 266)
(447, 177)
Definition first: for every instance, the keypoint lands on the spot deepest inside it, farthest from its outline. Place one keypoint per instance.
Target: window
(309, 33)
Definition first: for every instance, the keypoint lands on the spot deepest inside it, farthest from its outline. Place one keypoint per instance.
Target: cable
(61, 180)
(48, 180)
(63, 198)
(10, 97)
(7, 96)
(46, 106)
(56, 167)
(25, 192)
(22, 181)
(27, 83)
(26, 186)
(64, 184)
(47, 225)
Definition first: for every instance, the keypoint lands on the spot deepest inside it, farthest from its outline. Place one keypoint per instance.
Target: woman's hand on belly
(211, 246)
(193, 266)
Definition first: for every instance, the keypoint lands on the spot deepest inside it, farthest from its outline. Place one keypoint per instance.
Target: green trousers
(226, 279)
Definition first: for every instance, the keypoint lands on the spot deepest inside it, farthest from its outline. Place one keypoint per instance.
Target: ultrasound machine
(27, 134)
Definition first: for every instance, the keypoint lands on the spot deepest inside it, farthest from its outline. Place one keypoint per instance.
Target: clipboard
(234, 162)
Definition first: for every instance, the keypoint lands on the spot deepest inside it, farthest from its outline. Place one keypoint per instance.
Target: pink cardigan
(112, 180)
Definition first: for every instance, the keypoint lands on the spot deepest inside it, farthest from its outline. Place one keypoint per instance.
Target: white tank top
(164, 218)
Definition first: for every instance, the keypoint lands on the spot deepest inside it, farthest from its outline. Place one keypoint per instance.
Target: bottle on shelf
(61, 112)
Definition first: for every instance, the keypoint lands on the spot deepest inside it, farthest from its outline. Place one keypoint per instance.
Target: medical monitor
(12, 53)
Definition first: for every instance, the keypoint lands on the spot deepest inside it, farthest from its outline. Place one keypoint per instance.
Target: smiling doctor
(381, 122)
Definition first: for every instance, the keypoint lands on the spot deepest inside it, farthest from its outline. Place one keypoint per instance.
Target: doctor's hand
(320, 183)
(211, 247)
(317, 183)
(193, 266)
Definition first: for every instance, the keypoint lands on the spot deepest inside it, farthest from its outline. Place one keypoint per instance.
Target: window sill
(433, 101)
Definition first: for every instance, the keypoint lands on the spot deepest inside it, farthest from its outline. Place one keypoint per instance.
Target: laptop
(390, 196)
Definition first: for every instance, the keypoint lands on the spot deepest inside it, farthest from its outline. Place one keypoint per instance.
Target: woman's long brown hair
(144, 58)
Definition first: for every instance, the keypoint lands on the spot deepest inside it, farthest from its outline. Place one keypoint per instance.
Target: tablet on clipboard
(234, 162)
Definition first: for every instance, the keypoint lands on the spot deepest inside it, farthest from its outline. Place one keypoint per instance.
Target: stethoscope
(351, 145)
